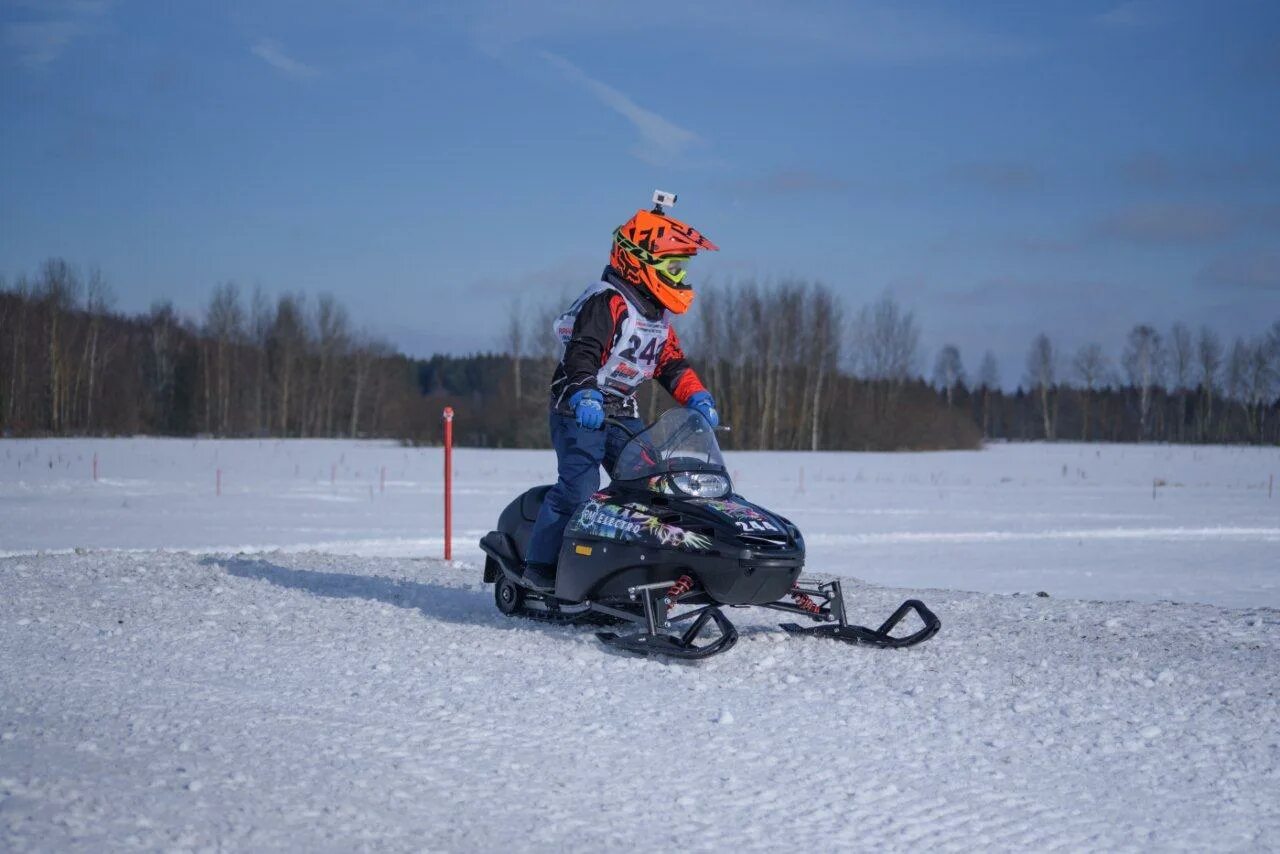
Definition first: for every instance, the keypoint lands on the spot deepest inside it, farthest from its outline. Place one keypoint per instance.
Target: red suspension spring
(682, 586)
(803, 600)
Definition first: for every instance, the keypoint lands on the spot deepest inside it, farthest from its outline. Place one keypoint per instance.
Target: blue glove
(706, 404)
(588, 406)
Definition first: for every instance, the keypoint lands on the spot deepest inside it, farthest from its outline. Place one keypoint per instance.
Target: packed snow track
(306, 701)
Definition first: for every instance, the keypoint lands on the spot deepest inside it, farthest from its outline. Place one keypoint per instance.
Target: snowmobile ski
(880, 637)
(683, 646)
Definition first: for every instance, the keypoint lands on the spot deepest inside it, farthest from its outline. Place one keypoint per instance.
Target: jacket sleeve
(674, 371)
(595, 332)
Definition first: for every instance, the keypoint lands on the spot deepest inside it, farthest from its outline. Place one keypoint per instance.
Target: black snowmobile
(668, 543)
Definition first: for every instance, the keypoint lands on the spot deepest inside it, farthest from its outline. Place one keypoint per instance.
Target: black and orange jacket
(595, 333)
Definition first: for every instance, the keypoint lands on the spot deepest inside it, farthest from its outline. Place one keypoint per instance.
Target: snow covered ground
(1147, 523)
(288, 665)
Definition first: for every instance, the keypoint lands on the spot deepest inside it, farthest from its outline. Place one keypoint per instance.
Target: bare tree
(162, 358)
(1237, 375)
(514, 344)
(17, 343)
(1042, 377)
(1259, 384)
(989, 371)
(287, 343)
(1209, 362)
(540, 337)
(1091, 367)
(1144, 363)
(1273, 349)
(822, 355)
(886, 341)
(100, 300)
(224, 324)
(989, 382)
(948, 371)
(58, 290)
(260, 318)
(333, 339)
(364, 352)
(1182, 357)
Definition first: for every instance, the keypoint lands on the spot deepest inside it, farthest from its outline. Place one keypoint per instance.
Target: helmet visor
(673, 268)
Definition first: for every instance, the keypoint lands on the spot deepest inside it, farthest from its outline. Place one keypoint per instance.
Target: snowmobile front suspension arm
(832, 606)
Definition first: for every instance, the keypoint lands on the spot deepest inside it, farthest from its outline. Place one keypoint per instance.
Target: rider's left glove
(706, 404)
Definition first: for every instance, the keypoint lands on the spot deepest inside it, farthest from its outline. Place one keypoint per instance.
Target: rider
(616, 335)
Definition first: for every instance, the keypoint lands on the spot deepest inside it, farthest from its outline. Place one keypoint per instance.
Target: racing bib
(635, 357)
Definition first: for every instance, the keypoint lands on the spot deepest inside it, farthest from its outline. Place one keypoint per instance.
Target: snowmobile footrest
(678, 646)
(878, 637)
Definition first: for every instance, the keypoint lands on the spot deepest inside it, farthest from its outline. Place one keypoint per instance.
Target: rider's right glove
(588, 407)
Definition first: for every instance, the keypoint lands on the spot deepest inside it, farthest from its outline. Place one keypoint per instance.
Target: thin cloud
(1259, 271)
(36, 44)
(270, 53)
(1169, 224)
(1047, 244)
(1152, 169)
(780, 31)
(662, 139)
(864, 32)
(999, 176)
(1132, 13)
(787, 182)
(1147, 169)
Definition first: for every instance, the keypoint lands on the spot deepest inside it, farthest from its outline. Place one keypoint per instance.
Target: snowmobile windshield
(680, 440)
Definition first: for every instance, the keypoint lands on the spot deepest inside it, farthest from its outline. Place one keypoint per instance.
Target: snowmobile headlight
(701, 484)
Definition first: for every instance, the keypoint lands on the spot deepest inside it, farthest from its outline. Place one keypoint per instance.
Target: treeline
(792, 369)
(773, 357)
(790, 366)
(1181, 387)
(70, 364)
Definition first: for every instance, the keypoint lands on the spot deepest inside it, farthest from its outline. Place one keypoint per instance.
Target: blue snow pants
(579, 454)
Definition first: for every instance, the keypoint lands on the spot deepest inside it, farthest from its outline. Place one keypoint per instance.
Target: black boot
(539, 576)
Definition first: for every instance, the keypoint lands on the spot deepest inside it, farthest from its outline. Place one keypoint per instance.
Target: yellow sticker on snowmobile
(583, 550)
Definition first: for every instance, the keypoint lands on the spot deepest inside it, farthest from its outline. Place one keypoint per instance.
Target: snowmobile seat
(499, 548)
(531, 501)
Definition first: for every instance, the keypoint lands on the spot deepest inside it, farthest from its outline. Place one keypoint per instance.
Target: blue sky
(1002, 168)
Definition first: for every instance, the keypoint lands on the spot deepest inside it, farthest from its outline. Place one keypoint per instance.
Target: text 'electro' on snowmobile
(668, 543)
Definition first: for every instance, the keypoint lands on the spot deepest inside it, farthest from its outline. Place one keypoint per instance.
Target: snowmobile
(666, 546)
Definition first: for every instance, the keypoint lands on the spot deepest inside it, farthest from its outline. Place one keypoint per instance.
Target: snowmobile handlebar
(622, 425)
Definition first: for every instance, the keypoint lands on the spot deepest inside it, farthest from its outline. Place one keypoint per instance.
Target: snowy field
(288, 665)
(1147, 523)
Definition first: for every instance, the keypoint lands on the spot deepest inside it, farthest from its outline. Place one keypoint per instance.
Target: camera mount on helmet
(662, 199)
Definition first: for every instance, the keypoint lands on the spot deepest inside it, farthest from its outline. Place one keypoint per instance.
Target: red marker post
(448, 483)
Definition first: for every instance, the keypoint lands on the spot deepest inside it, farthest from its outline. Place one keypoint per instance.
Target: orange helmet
(652, 250)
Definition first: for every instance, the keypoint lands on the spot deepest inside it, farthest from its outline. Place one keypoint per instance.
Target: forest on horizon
(791, 366)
